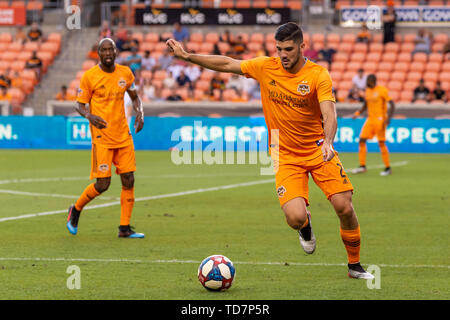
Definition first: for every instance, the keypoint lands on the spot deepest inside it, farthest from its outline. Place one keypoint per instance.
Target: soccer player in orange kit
(103, 88)
(299, 109)
(376, 100)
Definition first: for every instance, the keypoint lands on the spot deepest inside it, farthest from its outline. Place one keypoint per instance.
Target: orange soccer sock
(306, 222)
(352, 242)
(385, 154)
(88, 195)
(126, 205)
(362, 154)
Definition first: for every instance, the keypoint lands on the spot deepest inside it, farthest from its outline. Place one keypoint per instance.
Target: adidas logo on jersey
(273, 83)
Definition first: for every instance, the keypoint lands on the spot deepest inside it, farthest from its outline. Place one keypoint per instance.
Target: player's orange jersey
(376, 101)
(105, 94)
(291, 104)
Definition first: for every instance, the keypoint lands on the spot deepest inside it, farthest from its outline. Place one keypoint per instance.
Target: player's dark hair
(372, 77)
(289, 31)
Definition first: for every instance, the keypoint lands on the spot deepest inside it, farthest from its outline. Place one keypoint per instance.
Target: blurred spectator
(148, 90)
(105, 31)
(5, 82)
(192, 71)
(34, 34)
(422, 42)
(20, 36)
(421, 92)
(34, 63)
(169, 81)
(129, 43)
(4, 94)
(93, 53)
(148, 62)
(183, 80)
(216, 83)
(165, 60)
(263, 51)
(176, 67)
(364, 35)
(326, 54)
(239, 47)
(134, 61)
(236, 82)
(63, 95)
(216, 50)
(438, 92)
(311, 53)
(16, 80)
(174, 96)
(180, 33)
(354, 95)
(389, 21)
(359, 82)
(226, 37)
(121, 33)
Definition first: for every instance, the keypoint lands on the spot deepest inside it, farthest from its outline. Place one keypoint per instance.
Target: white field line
(161, 196)
(380, 166)
(236, 262)
(51, 195)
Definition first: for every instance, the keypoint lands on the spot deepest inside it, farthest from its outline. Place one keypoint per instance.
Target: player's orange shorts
(373, 127)
(292, 179)
(102, 158)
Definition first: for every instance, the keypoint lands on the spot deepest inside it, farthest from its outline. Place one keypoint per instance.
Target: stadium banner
(12, 16)
(221, 134)
(211, 16)
(421, 15)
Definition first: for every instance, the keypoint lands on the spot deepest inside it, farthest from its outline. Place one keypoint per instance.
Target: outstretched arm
(213, 62)
(360, 111)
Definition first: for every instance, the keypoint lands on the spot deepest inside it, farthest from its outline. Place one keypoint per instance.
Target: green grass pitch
(404, 222)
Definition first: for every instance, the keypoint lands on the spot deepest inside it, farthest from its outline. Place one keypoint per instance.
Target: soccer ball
(216, 273)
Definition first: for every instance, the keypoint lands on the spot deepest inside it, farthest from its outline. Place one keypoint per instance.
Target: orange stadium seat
(18, 65)
(160, 47)
(409, 37)
(395, 85)
(276, 4)
(349, 38)
(8, 56)
(139, 36)
(336, 75)
(167, 35)
(35, 5)
(414, 76)
(257, 37)
(183, 92)
(49, 46)
(270, 37)
(6, 37)
(317, 37)
(4, 4)
(224, 47)
(207, 75)
(254, 47)
(369, 66)
(333, 37)
(431, 76)
(398, 75)
(24, 55)
(203, 85)
(79, 75)
(444, 77)
(446, 66)
(437, 47)
(229, 95)
(376, 47)
(418, 66)
(46, 57)
(404, 57)
(373, 56)
(389, 57)
(28, 75)
(88, 64)
(353, 66)
(433, 66)
(345, 47)
(245, 37)
(18, 4)
(324, 64)
(385, 66)
(377, 38)
(338, 66)
(156, 55)
(406, 96)
(196, 37)
(394, 94)
(294, 4)
(207, 47)
(54, 37)
(193, 46)
(228, 3)
(342, 95)
(407, 47)
(440, 38)
(147, 46)
(207, 3)
(176, 5)
(435, 57)
(31, 46)
(146, 74)
(348, 75)
(391, 47)
(159, 75)
(344, 86)
(165, 92)
(358, 57)
(420, 57)
(74, 84)
(212, 37)
(151, 37)
(360, 47)
(383, 76)
(410, 85)
(15, 47)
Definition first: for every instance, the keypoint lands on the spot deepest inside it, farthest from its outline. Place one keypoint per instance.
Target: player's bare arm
(96, 121)
(328, 109)
(390, 112)
(212, 62)
(360, 111)
(137, 106)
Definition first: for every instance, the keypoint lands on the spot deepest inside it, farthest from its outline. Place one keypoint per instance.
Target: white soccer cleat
(357, 272)
(386, 172)
(307, 238)
(361, 169)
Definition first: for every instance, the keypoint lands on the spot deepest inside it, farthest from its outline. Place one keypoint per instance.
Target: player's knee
(102, 184)
(345, 210)
(295, 213)
(127, 180)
